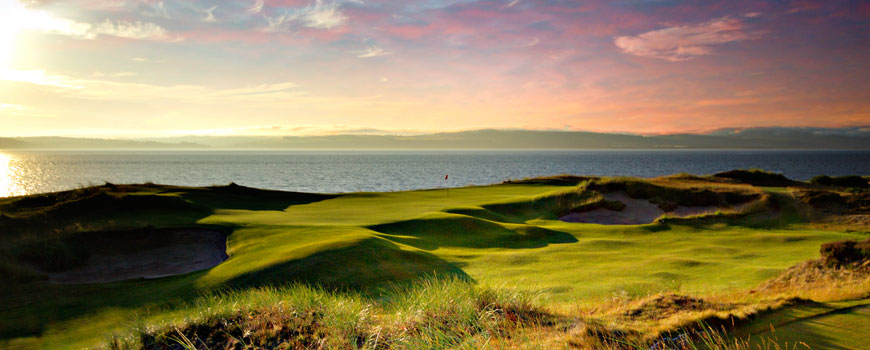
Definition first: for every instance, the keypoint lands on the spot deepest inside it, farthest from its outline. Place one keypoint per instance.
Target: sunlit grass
(364, 253)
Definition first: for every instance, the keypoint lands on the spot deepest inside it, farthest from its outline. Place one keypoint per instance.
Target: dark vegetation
(558, 180)
(841, 181)
(829, 202)
(756, 177)
(316, 319)
(845, 252)
(669, 197)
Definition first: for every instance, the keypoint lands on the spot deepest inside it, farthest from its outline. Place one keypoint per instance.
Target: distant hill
(757, 138)
(51, 142)
(10, 143)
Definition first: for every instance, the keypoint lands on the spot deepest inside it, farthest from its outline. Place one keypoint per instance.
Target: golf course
(744, 259)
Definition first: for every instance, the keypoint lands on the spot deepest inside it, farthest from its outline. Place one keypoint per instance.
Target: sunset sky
(135, 68)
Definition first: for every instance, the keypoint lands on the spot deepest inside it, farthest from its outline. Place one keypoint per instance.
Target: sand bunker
(186, 250)
(636, 212)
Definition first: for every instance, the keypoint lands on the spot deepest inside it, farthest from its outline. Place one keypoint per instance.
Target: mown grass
(345, 254)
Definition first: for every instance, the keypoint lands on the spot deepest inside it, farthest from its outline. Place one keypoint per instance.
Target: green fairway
(836, 326)
(503, 236)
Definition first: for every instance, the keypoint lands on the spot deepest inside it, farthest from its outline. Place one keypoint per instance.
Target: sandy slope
(636, 212)
(190, 250)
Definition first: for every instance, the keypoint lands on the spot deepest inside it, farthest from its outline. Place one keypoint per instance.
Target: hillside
(759, 138)
(89, 143)
(779, 138)
(531, 263)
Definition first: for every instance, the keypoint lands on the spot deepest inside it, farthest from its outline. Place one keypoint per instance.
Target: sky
(143, 68)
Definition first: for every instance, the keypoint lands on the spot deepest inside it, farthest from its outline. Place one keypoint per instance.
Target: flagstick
(447, 184)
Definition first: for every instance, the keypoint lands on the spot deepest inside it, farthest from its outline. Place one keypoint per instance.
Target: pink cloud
(682, 43)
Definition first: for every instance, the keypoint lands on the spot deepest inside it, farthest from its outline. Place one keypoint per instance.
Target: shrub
(756, 177)
(844, 252)
(841, 181)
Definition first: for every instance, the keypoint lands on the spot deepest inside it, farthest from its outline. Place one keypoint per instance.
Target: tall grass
(432, 313)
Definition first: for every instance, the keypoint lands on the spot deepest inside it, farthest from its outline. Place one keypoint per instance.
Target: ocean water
(28, 172)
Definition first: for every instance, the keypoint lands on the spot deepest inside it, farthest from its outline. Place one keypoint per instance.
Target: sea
(25, 172)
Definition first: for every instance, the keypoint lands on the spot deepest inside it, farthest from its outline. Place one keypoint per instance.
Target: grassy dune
(493, 259)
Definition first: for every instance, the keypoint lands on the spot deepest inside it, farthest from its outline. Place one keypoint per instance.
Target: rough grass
(369, 251)
(432, 313)
(449, 313)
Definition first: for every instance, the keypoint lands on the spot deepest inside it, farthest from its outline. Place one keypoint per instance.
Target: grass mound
(433, 313)
(664, 306)
(450, 230)
(814, 272)
(841, 181)
(361, 265)
(756, 177)
(558, 180)
(98, 211)
(830, 202)
(669, 197)
(275, 328)
(846, 252)
(546, 206)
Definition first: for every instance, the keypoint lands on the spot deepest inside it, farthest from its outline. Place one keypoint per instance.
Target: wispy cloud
(146, 60)
(256, 8)
(726, 102)
(208, 13)
(11, 107)
(157, 9)
(97, 87)
(38, 77)
(322, 14)
(114, 75)
(300, 130)
(263, 89)
(21, 18)
(373, 51)
(130, 30)
(682, 43)
(531, 42)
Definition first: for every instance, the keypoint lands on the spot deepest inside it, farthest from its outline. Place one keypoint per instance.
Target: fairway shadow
(788, 325)
(234, 196)
(468, 232)
(363, 266)
(366, 266)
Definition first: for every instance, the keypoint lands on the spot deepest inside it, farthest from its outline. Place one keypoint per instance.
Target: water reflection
(7, 171)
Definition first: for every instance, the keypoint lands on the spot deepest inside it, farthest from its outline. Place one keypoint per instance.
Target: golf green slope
(833, 325)
(506, 236)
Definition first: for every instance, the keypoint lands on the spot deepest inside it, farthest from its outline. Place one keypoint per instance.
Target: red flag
(445, 176)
